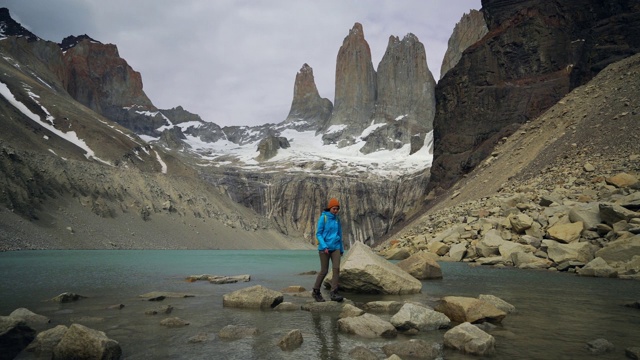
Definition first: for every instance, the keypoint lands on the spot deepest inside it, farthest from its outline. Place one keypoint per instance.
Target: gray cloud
(234, 62)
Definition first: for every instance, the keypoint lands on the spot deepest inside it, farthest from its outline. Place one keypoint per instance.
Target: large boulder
(421, 265)
(490, 244)
(257, 297)
(466, 309)
(46, 340)
(598, 268)
(32, 319)
(363, 271)
(621, 250)
(15, 335)
(523, 260)
(470, 339)
(412, 318)
(566, 232)
(575, 251)
(367, 325)
(588, 214)
(81, 342)
(612, 213)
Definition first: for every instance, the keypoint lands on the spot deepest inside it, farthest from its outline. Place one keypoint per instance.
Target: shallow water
(557, 313)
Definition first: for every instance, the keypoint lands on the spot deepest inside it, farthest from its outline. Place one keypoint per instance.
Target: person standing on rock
(329, 236)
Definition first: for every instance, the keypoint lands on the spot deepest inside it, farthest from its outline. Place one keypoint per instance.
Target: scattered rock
(174, 322)
(466, 309)
(363, 271)
(199, 338)
(167, 309)
(470, 340)
(362, 353)
(368, 326)
(68, 297)
(256, 296)
(498, 303)
(291, 341)
(235, 332)
(600, 346)
(414, 349)
(413, 318)
(421, 266)
(81, 342)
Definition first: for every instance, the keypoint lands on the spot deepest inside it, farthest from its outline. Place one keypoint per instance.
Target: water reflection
(557, 313)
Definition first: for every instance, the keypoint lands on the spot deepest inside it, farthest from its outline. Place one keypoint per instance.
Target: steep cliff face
(308, 108)
(535, 52)
(100, 79)
(471, 28)
(355, 89)
(406, 96)
(370, 208)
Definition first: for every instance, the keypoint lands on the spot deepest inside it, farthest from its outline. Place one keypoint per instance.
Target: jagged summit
(71, 41)
(308, 110)
(9, 27)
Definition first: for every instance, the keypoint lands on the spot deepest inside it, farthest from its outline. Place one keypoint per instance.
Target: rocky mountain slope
(73, 178)
(561, 192)
(534, 53)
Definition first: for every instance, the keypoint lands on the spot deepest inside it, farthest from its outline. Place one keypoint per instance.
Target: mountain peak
(10, 27)
(71, 41)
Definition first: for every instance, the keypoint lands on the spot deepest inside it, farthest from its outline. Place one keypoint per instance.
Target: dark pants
(324, 269)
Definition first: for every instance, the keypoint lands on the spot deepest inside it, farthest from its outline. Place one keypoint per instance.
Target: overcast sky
(235, 62)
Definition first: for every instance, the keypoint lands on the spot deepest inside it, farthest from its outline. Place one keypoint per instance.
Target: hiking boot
(335, 296)
(317, 295)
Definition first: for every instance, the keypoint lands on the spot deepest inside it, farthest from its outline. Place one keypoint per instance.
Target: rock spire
(355, 88)
(307, 107)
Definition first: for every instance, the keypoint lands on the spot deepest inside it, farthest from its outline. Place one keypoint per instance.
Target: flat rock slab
(160, 295)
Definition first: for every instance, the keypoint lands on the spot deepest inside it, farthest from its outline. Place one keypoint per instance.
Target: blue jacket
(329, 232)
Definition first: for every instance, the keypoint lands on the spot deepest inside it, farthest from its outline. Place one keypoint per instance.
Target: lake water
(557, 313)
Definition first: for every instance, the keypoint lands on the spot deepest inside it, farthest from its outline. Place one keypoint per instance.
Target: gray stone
(291, 341)
(68, 297)
(46, 340)
(363, 271)
(362, 353)
(469, 339)
(368, 326)
(466, 309)
(600, 346)
(498, 303)
(174, 322)
(412, 317)
(81, 342)
(414, 349)
(598, 268)
(235, 332)
(388, 307)
(421, 266)
(257, 297)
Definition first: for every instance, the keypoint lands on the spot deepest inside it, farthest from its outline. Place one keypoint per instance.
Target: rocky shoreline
(590, 230)
(466, 323)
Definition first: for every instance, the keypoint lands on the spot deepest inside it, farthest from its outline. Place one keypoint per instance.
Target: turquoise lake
(557, 313)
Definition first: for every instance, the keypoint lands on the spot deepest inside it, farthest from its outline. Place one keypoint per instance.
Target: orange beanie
(333, 202)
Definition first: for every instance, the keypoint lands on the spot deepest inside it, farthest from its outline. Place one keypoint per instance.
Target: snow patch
(70, 136)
